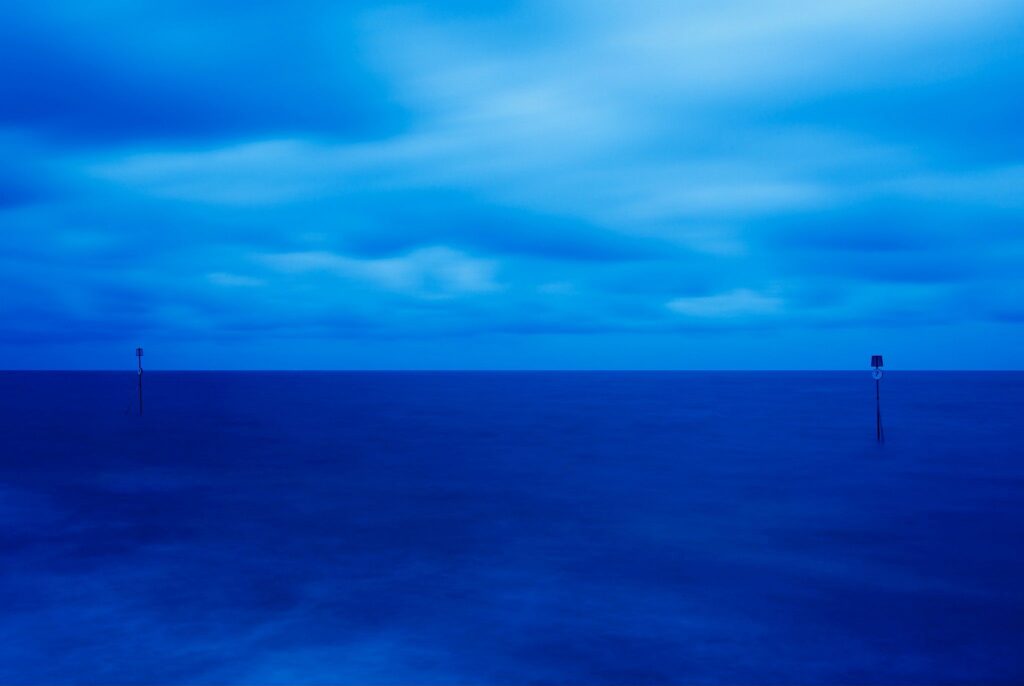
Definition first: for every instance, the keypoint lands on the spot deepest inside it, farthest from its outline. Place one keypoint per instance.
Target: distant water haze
(496, 528)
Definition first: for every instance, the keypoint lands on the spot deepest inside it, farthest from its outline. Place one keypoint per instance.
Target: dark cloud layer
(116, 72)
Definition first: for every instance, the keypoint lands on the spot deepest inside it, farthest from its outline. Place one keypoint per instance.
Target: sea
(496, 528)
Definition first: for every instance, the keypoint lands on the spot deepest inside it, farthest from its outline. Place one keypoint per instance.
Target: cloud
(429, 272)
(234, 280)
(194, 71)
(736, 303)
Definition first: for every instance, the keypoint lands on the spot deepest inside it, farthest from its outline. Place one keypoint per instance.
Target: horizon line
(470, 370)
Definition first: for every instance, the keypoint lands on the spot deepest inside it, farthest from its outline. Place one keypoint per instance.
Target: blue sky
(556, 184)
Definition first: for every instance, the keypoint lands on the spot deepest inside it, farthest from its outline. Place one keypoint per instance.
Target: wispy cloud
(430, 272)
(736, 303)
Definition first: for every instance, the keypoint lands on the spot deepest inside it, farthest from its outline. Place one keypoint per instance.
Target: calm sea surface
(508, 528)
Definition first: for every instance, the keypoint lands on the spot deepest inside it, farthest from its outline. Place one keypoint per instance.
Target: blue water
(506, 528)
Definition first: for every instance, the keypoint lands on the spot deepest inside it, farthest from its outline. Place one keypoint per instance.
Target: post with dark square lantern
(876, 363)
(138, 354)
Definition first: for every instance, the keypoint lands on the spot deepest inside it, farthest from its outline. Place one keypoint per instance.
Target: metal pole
(878, 410)
(138, 354)
(876, 364)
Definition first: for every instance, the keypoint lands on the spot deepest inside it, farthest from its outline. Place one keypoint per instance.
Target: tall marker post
(138, 354)
(876, 363)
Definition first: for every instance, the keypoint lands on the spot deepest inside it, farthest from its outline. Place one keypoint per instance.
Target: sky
(559, 184)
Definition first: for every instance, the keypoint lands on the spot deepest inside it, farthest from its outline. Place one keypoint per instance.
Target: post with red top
(138, 354)
(876, 363)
